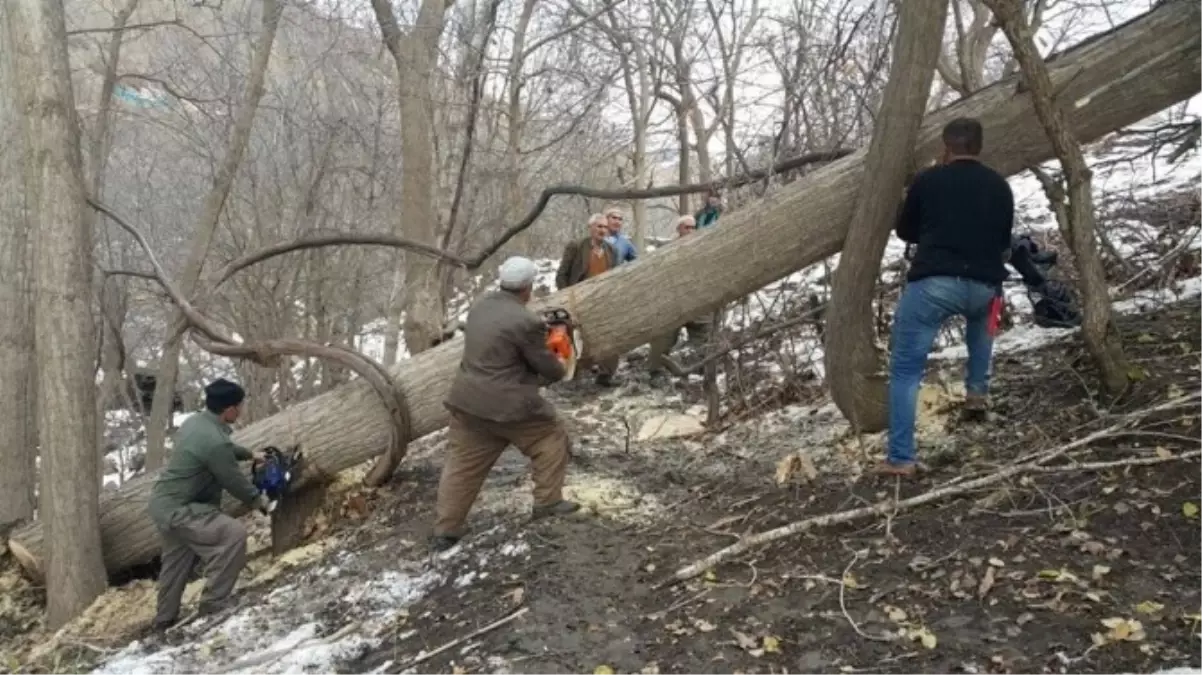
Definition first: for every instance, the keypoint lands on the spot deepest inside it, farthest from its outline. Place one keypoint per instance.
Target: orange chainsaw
(562, 338)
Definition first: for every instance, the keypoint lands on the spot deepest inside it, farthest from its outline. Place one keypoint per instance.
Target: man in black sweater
(960, 215)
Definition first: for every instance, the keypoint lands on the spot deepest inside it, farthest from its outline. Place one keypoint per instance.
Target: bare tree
(853, 363)
(416, 55)
(206, 227)
(1077, 224)
(112, 293)
(18, 431)
(70, 487)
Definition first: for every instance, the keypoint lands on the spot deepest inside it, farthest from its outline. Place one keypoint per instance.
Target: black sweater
(960, 215)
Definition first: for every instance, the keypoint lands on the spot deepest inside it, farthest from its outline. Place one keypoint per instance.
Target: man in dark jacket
(185, 505)
(584, 259)
(495, 401)
(708, 214)
(960, 215)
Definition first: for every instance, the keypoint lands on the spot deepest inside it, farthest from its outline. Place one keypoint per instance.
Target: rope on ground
(885, 507)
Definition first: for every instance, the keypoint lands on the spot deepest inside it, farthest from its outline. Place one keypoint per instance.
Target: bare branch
(118, 29)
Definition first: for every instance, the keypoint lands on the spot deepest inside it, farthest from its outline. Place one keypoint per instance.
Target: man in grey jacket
(185, 505)
(495, 401)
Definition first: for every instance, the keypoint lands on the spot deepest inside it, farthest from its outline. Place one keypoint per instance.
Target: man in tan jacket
(495, 401)
(584, 259)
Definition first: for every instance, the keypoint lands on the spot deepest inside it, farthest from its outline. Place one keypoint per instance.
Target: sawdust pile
(852, 454)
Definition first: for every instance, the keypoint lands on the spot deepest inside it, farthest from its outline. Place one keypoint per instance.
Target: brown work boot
(976, 407)
(887, 468)
(562, 507)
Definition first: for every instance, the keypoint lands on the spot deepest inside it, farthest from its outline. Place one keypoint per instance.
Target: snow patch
(282, 634)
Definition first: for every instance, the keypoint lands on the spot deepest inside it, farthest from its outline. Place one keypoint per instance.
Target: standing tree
(853, 363)
(416, 56)
(62, 265)
(206, 229)
(18, 432)
(1077, 225)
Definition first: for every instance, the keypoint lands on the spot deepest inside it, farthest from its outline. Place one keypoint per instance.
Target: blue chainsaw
(273, 474)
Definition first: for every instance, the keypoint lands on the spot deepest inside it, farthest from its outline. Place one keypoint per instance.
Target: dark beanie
(221, 394)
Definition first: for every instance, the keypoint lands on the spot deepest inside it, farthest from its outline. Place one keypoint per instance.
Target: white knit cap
(517, 273)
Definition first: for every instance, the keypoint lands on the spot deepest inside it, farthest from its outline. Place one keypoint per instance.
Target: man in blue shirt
(620, 242)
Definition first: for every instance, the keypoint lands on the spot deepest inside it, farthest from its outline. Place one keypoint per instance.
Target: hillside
(1045, 572)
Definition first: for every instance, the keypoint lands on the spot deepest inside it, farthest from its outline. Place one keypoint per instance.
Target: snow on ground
(293, 628)
(1027, 337)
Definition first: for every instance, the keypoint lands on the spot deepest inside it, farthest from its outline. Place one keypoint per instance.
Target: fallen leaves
(603, 669)
(1189, 510)
(922, 635)
(1149, 607)
(795, 465)
(1119, 630)
(987, 582)
(769, 644)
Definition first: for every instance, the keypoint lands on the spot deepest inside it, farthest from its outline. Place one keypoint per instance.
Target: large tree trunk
(416, 54)
(18, 429)
(803, 223)
(206, 228)
(1101, 337)
(62, 310)
(853, 362)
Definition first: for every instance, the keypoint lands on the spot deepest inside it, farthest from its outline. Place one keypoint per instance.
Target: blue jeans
(924, 306)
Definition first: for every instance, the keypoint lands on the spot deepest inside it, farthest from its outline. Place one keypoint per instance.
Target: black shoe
(442, 542)
(604, 380)
(562, 507)
(159, 628)
(210, 608)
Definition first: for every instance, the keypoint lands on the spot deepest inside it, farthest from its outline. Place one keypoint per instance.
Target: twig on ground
(881, 508)
(682, 603)
(843, 605)
(425, 656)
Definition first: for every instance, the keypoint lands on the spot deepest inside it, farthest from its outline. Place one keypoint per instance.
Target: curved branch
(268, 352)
(333, 239)
(137, 274)
(208, 335)
(473, 262)
(199, 321)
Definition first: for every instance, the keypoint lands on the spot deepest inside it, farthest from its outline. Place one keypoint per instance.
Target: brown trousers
(698, 333)
(215, 540)
(475, 444)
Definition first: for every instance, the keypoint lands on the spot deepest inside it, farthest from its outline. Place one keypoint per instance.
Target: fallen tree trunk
(1111, 81)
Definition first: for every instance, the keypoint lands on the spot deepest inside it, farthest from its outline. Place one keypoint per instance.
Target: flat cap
(517, 273)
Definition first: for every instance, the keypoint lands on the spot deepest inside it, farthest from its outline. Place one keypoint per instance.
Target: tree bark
(1079, 228)
(852, 360)
(206, 227)
(803, 223)
(18, 431)
(416, 55)
(70, 486)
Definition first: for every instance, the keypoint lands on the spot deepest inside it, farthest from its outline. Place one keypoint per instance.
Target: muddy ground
(1074, 571)
(1040, 574)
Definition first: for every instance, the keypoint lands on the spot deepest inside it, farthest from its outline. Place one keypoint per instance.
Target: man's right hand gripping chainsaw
(563, 339)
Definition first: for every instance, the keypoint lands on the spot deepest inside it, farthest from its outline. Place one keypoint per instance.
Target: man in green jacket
(185, 505)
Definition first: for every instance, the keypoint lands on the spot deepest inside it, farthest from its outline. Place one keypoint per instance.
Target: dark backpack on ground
(1055, 305)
